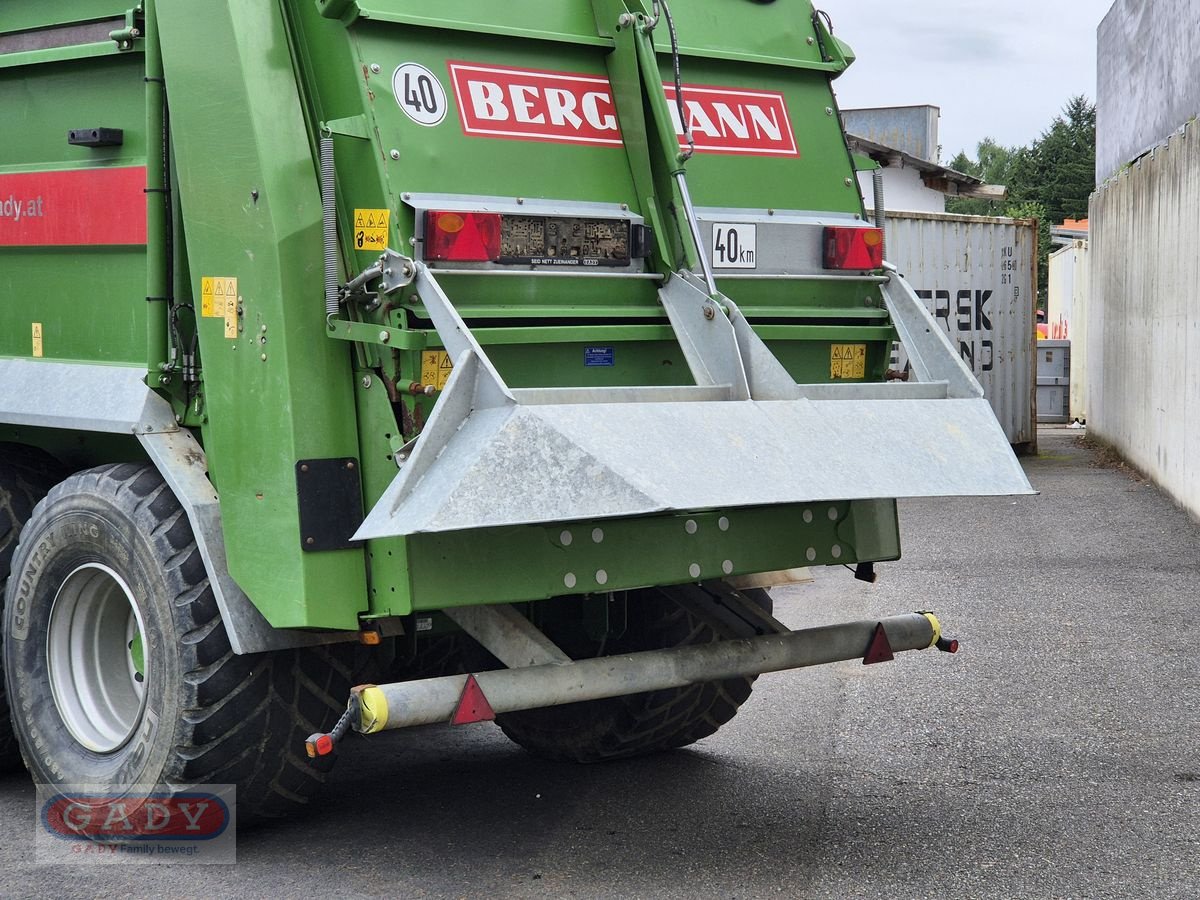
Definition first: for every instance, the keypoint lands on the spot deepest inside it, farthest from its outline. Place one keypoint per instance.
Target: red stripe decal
(78, 207)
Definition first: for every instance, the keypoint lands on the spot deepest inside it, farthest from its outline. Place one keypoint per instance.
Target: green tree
(993, 164)
(1032, 209)
(1064, 162)
(1049, 180)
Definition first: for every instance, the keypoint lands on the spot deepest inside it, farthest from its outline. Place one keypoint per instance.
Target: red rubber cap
(319, 745)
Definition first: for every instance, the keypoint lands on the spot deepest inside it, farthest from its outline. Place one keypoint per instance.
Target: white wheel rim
(94, 627)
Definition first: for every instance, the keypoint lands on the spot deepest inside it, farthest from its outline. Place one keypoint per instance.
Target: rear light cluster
(533, 239)
(462, 237)
(853, 248)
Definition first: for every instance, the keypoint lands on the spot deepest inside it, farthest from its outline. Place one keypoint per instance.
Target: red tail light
(462, 237)
(853, 248)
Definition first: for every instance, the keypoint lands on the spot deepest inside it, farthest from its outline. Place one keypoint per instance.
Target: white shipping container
(978, 277)
(1066, 315)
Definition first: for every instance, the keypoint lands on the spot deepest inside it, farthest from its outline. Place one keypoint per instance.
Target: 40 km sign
(734, 246)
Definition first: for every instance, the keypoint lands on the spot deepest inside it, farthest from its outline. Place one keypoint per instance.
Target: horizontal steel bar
(929, 390)
(637, 394)
(573, 334)
(552, 273)
(747, 276)
(431, 700)
(838, 333)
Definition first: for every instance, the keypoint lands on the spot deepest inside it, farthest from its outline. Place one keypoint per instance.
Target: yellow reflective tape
(372, 704)
(937, 629)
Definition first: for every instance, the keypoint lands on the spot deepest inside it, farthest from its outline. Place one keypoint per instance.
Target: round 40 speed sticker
(419, 93)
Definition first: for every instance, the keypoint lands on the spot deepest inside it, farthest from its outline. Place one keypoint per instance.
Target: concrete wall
(1143, 338)
(1148, 79)
(903, 190)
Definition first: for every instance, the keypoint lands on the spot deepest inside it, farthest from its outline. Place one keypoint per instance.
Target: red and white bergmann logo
(529, 104)
(532, 105)
(730, 120)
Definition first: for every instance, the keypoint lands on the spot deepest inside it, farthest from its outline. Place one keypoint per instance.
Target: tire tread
(644, 723)
(26, 476)
(243, 718)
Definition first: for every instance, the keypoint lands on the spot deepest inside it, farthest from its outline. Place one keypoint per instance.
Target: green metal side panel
(619, 554)
(25, 15)
(279, 391)
(816, 179)
(536, 330)
(569, 22)
(88, 301)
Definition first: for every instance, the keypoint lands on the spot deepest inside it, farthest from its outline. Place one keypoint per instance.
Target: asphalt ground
(1057, 755)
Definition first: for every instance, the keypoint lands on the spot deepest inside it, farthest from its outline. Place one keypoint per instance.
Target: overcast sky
(997, 69)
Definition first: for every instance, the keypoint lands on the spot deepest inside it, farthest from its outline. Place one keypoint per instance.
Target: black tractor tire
(26, 476)
(206, 716)
(639, 724)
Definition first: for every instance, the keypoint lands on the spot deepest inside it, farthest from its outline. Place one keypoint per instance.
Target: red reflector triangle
(879, 650)
(472, 705)
(470, 244)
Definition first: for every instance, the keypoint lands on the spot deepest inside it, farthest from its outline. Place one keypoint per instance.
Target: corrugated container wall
(1144, 315)
(977, 275)
(1066, 315)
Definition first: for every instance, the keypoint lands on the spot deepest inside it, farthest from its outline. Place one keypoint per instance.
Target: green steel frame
(225, 102)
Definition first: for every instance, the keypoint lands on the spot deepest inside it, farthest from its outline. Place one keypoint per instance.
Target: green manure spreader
(381, 363)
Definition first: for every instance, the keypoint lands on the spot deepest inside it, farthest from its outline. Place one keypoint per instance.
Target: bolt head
(709, 312)
(394, 154)
(366, 382)
(375, 68)
(384, 336)
(263, 357)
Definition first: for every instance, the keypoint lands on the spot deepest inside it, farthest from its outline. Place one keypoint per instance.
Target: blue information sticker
(598, 356)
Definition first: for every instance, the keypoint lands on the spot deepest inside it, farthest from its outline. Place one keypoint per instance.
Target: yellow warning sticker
(231, 315)
(371, 229)
(847, 361)
(435, 368)
(213, 292)
(37, 339)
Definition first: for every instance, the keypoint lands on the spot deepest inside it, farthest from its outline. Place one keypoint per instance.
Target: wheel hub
(95, 649)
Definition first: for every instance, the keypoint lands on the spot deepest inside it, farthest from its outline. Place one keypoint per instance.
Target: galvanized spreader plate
(536, 464)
